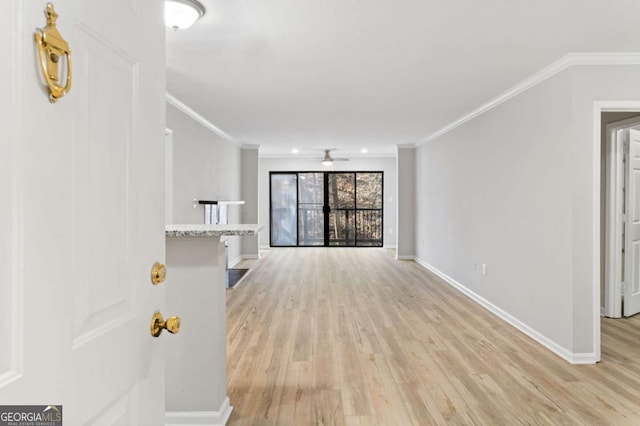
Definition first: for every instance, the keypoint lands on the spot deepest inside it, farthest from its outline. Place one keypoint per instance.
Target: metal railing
(347, 227)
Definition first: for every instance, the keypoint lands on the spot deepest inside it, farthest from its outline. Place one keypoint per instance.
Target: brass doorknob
(158, 273)
(171, 324)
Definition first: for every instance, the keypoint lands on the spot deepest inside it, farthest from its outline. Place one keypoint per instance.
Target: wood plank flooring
(354, 337)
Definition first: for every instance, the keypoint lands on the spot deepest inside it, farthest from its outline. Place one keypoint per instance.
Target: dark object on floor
(235, 275)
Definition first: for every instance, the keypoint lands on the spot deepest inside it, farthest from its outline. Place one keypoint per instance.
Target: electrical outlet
(391, 230)
(484, 269)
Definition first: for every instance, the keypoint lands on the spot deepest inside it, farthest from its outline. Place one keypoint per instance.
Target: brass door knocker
(51, 48)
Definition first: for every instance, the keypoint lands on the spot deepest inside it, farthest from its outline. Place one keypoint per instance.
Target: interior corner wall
(371, 164)
(517, 189)
(205, 167)
(406, 166)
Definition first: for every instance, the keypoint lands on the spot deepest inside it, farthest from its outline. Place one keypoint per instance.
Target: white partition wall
(406, 202)
(249, 193)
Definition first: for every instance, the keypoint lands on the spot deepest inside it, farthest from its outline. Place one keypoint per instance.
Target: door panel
(631, 304)
(101, 149)
(86, 193)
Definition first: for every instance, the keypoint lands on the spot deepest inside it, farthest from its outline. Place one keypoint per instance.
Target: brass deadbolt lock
(172, 324)
(158, 273)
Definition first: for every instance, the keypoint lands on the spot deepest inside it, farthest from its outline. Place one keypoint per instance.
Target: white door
(82, 214)
(631, 289)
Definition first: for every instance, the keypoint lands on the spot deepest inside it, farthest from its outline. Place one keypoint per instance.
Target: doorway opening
(330, 209)
(621, 280)
(605, 113)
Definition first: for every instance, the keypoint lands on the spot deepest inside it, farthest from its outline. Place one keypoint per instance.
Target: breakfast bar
(195, 291)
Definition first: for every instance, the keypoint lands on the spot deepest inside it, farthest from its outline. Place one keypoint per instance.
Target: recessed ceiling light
(294, 151)
(364, 150)
(180, 14)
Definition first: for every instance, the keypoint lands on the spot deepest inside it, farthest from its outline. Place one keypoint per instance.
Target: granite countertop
(201, 230)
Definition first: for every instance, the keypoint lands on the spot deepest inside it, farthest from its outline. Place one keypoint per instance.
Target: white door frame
(599, 108)
(614, 220)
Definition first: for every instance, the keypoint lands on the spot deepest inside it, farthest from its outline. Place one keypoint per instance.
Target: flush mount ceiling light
(181, 14)
(327, 160)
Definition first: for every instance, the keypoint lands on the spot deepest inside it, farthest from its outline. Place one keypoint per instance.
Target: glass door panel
(284, 217)
(369, 209)
(369, 193)
(342, 204)
(310, 209)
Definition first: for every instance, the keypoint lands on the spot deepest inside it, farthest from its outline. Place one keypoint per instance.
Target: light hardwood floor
(354, 337)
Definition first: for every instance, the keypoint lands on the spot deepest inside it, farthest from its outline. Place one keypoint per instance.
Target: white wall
(249, 212)
(205, 167)
(406, 209)
(385, 164)
(517, 189)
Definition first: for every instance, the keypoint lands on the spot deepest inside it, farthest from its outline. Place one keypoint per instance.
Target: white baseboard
(405, 257)
(561, 351)
(264, 247)
(199, 418)
(603, 312)
(582, 358)
(390, 246)
(235, 261)
(242, 257)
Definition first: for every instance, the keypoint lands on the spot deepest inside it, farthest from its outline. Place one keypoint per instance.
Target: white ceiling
(349, 74)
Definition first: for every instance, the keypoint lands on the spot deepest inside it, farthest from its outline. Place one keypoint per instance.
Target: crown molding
(405, 146)
(572, 59)
(306, 157)
(197, 117)
(249, 146)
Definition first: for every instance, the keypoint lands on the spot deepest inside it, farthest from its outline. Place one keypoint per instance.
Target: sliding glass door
(326, 209)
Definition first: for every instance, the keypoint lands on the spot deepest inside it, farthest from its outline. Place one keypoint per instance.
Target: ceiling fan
(328, 160)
